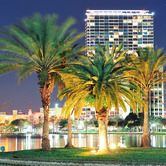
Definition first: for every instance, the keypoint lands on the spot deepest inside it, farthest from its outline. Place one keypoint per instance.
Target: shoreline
(65, 133)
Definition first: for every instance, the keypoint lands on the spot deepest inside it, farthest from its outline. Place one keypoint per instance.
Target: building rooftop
(118, 12)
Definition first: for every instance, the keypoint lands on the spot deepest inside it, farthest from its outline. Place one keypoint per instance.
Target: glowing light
(51, 140)
(121, 145)
(153, 141)
(51, 126)
(81, 125)
(93, 151)
(91, 140)
(29, 128)
(112, 146)
(153, 125)
(80, 140)
(65, 139)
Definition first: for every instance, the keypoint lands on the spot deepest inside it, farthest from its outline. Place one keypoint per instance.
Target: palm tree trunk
(103, 135)
(69, 140)
(53, 126)
(45, 97)
(146, 138)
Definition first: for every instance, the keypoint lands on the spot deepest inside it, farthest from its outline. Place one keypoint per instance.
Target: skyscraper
(133, 28)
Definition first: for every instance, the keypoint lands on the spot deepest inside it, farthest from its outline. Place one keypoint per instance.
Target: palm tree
(101, 81)
(62, 84)
(150, 64)
(36, 45)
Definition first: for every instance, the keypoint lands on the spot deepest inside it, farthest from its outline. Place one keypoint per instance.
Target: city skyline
(19, 97)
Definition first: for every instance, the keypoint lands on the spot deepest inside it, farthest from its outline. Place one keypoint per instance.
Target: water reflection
(79, 140)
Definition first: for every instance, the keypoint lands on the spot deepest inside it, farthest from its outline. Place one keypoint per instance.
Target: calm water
(79, 140)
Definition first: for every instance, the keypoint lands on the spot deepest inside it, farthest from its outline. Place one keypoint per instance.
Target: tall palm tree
(36, 45)
(102, 81)
(150, 64)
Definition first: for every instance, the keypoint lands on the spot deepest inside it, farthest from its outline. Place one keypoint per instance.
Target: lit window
(111, 39)
(135, 30)
(92, 17)
(134, 17)
(135, 42)
(139, 21)
(120, 33)
(116, 36)
(147, 17)
(139, 17)
(115, 27)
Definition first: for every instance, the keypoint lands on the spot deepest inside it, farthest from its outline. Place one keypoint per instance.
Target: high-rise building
(133, 28)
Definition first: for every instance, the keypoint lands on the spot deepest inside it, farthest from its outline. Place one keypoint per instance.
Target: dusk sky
(20, 96)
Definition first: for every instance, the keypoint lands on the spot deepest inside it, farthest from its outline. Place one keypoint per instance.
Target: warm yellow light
(112, 146)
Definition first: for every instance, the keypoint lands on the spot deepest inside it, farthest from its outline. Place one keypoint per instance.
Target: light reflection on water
(78, 140)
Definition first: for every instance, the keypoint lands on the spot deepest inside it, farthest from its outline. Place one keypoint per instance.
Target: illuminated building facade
(87, 113)
(34, 118)
(133, 28)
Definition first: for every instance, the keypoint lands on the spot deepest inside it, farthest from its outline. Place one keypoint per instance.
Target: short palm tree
(37, 45)
(74, 51)
(150, 64)
(102, 82)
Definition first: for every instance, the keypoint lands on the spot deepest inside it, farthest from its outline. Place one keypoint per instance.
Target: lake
(78, 140)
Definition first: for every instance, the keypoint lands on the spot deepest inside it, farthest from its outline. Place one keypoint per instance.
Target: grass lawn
(138, 155)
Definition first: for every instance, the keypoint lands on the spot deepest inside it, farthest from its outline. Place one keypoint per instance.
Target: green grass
(129, 155)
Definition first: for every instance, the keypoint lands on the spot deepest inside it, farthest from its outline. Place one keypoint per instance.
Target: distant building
(34, 118)
(55, 111)
(16, 115)
(87, 113)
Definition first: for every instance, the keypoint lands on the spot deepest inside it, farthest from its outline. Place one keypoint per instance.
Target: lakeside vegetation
(128, 155)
